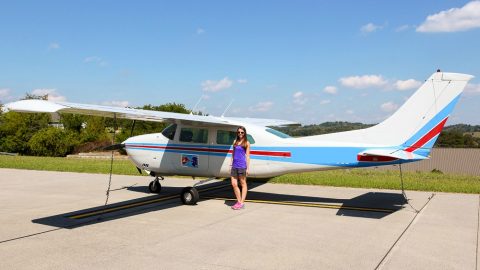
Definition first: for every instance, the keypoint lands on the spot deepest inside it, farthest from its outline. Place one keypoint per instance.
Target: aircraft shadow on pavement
(368, 205)
(168, 198)
(374, 205)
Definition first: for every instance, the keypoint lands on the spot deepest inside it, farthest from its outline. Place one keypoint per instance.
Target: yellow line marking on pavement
(131, 205)
(304, 204)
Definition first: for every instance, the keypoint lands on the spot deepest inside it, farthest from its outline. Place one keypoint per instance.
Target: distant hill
(454, 136)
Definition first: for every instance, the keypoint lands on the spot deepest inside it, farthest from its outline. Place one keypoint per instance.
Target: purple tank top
(239, 157)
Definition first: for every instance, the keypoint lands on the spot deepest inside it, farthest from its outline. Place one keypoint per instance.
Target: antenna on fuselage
(196, 104)
(228, 107)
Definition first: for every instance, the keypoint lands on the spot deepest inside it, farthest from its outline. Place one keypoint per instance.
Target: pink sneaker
(238, 206)
(235, 206)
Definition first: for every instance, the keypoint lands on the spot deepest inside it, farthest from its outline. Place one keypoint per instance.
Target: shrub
(52, 142)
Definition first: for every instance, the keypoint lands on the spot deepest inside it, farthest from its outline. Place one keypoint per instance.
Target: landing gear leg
(155, 186)
(190, 195)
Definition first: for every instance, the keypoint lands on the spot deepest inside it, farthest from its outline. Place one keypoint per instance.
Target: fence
(448, 160)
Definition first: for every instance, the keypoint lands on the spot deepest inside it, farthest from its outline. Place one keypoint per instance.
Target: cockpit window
(277, 133)
(169, 131)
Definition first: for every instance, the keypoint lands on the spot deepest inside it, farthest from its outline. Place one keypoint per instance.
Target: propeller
(113, 147)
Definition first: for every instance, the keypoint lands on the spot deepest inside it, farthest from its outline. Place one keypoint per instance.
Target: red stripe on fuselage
(213, 150)
(427, 137)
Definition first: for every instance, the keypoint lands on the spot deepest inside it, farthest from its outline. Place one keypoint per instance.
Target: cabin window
(169, 131)
(277, 133)
(227, 137)
(194, 135)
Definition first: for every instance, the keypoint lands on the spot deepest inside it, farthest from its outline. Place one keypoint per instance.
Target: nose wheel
(155, 186)
(189, 196)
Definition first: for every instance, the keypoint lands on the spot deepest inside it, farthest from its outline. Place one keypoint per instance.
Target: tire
(154, 187)
(189, 196)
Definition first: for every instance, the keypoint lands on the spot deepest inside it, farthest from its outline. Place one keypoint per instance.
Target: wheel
(190, 196)
(155, 187)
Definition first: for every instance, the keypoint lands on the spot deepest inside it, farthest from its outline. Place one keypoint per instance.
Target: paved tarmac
(53, 220)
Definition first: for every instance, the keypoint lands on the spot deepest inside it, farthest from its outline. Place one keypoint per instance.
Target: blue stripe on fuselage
(325, 156)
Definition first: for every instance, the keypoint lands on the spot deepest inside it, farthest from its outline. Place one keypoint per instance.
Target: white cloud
(4, 92)
(370, 27)
(325, 101)
(91, 59)
(349, 111)
(215, 86)
(389, 106)
(51, 92)
(407, 84)
(242, 81)
(402, 28)
(453, 20)
(116, 103)
(365, 81)
(95, 60)
(262, 106)
(299, 98)
(472, 89)
(53, 46)
(298, 94)
(200, 31)
(330, 90)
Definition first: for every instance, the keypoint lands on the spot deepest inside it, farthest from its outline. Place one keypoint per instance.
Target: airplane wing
(385, 155)
(44, 106)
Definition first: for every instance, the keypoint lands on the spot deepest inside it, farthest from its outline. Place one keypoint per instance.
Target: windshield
(169, 131)
(277, 133)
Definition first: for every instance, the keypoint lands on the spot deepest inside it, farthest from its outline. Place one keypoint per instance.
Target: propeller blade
(117, 146)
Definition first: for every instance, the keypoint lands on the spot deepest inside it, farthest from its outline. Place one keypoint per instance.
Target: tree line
(34, 134)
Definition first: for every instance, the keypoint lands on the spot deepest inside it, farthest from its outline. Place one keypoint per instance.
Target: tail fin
(417, 124)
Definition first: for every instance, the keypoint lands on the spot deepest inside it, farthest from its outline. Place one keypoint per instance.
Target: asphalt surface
(53, 220)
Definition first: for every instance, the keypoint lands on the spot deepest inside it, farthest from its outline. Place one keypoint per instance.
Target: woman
(240, 164)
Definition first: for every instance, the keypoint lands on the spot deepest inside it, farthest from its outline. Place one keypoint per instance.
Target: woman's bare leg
(243, 181)
(236, 190)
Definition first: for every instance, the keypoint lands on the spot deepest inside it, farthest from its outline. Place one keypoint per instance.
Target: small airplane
(201, 146)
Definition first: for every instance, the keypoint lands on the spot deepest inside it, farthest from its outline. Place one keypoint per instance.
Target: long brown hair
(244, 142)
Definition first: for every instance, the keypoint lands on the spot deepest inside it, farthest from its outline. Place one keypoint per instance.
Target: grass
(121, 166)
(360, 178)
(363, 178)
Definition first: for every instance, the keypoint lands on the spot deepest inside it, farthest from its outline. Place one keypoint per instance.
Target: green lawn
(341, 178)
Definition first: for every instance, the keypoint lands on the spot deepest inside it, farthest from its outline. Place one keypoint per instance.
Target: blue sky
(307, 61)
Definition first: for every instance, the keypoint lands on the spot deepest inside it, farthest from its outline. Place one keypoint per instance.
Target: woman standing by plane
(240, 165)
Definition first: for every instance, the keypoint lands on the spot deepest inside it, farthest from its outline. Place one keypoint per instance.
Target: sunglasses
(240, 132)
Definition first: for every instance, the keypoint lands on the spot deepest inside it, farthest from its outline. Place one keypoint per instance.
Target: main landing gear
(189, 195)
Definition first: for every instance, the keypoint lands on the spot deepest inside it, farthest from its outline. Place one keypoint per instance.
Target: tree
(72, 122)
(17, 129)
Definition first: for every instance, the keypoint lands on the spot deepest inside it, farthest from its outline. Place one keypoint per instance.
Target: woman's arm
(248, 156)
(233, 152)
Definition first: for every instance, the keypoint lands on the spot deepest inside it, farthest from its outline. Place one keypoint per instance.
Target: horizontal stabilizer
(386, 155)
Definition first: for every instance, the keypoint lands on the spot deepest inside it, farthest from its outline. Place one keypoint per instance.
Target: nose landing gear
(155, 186)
